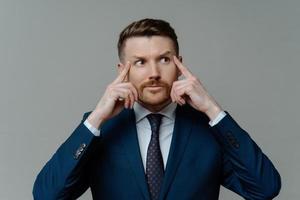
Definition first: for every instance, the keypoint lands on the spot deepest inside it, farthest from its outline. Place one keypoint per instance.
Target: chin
(155, 99)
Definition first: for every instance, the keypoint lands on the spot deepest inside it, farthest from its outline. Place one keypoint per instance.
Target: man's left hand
(190, 90)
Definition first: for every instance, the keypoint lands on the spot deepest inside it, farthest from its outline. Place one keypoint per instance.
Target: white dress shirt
(165, 131)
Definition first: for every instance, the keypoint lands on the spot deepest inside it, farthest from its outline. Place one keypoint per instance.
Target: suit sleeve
(64, 175)
(247, 171)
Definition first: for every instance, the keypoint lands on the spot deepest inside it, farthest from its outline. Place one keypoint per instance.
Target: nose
(154, 73)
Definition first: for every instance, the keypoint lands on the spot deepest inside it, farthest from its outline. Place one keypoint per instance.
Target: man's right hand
(118, 95)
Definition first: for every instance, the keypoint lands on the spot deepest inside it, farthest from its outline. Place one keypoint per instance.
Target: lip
(154, 88)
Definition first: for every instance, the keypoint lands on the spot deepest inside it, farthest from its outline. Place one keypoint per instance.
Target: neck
(155, 108)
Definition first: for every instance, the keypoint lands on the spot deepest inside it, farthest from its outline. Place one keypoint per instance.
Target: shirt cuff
(219, 117)
(94, 130)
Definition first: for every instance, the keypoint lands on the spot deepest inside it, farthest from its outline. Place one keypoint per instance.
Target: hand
(118, 95)
(190, 90)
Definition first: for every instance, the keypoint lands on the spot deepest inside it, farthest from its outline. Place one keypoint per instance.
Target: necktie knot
(154, 120)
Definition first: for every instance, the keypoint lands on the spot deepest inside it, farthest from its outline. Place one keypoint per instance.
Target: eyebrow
(166, 53)
(163, 54)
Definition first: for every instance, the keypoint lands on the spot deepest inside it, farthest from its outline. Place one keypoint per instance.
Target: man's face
(153, 70)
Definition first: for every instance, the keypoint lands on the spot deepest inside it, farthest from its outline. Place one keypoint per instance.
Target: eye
(139, 62)
(165, 60)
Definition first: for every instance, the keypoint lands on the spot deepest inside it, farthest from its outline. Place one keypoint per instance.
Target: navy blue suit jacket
(201, 158)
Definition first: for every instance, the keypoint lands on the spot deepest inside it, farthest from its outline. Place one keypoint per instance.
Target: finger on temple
(123, 74)
(182, 68)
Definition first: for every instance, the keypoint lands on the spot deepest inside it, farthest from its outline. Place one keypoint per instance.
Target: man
(172, 140)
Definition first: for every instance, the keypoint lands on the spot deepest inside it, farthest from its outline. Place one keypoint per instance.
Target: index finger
(123, 74)
(182, 68)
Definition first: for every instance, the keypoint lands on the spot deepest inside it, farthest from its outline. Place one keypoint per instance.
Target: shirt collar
(141, 112)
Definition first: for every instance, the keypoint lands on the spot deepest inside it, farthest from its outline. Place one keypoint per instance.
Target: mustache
(154, 83)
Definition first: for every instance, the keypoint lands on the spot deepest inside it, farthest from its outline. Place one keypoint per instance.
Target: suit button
(232, 140)
(236, 145)
(77, 154)
(79, 150)
(82, 147)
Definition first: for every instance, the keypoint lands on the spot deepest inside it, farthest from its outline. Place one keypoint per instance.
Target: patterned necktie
(154, 163)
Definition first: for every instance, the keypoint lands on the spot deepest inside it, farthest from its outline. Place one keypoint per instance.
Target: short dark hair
(147, 27)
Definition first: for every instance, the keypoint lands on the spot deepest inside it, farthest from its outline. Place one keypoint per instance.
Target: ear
(120, 67)
(179, 72)
(180, 58)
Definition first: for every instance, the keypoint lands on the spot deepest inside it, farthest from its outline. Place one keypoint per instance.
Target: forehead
(147, 46)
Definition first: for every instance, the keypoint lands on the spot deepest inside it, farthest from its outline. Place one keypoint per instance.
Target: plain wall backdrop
(57, 57)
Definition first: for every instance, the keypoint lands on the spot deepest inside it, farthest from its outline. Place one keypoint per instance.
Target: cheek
(135, 77)
(170, 73)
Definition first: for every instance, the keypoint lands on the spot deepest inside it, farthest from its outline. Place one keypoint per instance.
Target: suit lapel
(132, 149)
(181, 133)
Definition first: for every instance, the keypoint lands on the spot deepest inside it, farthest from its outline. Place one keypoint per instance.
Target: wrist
(213, 111)
(95, 119)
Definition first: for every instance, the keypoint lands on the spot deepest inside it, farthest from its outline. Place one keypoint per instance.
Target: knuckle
(189, 88)
(126, 93)
(180, 92)
(176, 86)
(122, 93)
(194, 79)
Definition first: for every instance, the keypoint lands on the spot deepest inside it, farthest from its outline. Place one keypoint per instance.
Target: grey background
(56, 58)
